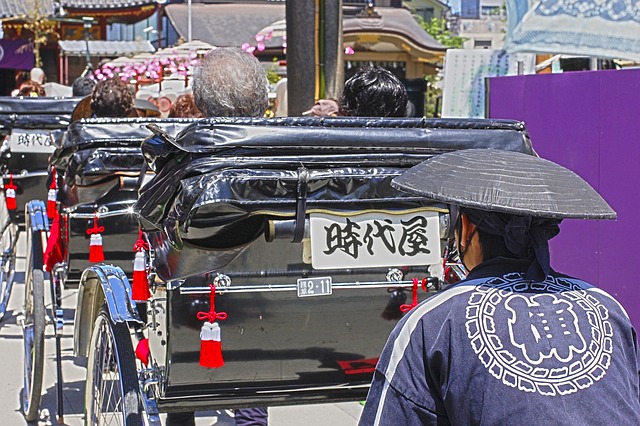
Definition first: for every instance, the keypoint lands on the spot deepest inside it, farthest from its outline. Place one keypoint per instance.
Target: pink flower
(261, 46)
(349, 50)
(259, 37)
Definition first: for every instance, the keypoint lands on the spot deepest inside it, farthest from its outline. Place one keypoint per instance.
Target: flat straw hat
(507, 182)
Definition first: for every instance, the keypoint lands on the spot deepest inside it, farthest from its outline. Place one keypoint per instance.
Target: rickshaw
(98, 171)
(279, 259)
(27, 125)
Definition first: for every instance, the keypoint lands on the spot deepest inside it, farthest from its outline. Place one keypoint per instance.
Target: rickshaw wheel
(7, 265)
(111, 392)
(33, 327)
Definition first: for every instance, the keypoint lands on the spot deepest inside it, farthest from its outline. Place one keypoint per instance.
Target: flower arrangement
(152, 68)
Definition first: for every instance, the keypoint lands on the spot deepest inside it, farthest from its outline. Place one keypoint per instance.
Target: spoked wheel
(8, 240)
(111, 392)
(33, 326)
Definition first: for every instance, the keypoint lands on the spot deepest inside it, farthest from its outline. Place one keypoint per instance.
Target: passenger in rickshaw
(516, 342)
(31, 88)
(112, 98)
(82, 86)
(374, 92)
(229, 82)
(185, 107)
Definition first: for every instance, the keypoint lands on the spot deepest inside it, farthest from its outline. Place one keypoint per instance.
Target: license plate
(31, 141)
(374, 240)
(319, 286)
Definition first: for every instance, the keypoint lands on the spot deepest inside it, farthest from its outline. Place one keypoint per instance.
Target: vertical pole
(300, 15)
(159, 25)
(189, 20)
(333, 49)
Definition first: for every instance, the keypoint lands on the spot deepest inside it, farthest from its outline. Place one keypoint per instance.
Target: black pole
(301, 75)
(333, 49)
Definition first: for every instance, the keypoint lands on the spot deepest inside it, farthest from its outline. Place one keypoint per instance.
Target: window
(427, 13)
(491, 10)
(482, 44)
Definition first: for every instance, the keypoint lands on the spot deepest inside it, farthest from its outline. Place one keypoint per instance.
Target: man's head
(374, 92)
(82, 86)
(37, 75)
(484, 235)
(324, 108)
(185, 107)
(229, 82)
(112, 98)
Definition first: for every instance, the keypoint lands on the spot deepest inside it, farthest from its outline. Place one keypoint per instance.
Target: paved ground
(11, 358)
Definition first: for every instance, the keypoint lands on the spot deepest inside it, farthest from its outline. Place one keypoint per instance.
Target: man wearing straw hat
(516, 343)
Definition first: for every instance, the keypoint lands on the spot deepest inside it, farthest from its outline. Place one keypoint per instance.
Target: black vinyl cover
(95, 153)
(35, 113)
(220, 179)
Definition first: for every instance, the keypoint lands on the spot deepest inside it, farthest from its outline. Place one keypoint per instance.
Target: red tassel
(210, 342)
(414, 290)
(96, 254)
(140, 287)
(53, 253)
(10, 195)
(143, 352)
(210, 345)
(52, 196)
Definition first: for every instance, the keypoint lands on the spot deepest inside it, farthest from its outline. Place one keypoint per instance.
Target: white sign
(31, 141)
(374, 240)
(465, 71)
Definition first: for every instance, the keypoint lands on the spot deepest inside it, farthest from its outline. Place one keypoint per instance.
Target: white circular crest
(553, 338)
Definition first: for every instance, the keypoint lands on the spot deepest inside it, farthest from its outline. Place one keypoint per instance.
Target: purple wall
(590, 123)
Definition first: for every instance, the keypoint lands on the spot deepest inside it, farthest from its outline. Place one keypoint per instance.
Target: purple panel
(588, 122)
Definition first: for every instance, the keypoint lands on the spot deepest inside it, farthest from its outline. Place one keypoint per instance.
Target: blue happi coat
(498, 350)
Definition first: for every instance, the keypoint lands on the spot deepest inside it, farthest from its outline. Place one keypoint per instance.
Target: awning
(105, 48)
(224, 24)
(394, 29)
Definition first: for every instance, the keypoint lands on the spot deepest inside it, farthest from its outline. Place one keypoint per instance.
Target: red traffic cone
(52, 196)
(96, 254)
(10, 195)
(140, 287)
(210, 346)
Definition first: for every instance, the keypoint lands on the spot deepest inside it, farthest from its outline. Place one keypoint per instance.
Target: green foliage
(437, 28)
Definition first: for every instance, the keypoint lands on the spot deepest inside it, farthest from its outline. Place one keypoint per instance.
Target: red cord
(212, 315)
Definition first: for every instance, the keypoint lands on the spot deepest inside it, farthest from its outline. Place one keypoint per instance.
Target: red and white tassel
(210, 345)
(10, 195)
(210, 341)
(96, 254)
(140, 287)
(52, 196)
(142, 351)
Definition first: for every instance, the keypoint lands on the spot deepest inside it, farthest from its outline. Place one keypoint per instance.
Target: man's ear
(467, 230)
